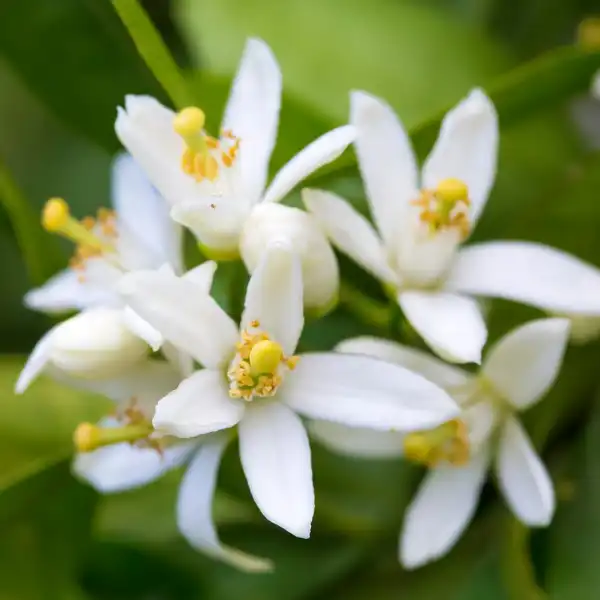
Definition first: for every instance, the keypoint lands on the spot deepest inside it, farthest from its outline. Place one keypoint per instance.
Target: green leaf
(573, 542)
(77, 58)
(45, 525)
(419, 59)
(36, 429)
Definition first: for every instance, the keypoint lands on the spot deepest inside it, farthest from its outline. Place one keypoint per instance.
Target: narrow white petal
(194, 509)
(123, 467)
(349, 231)
(451, 325)
(275, 455)
(467, 149)
(274, 296)
(201, 404)
(361, 391)
(524, 363)
(36, 362)
(145, 127)
(183, 314)
(252, 113)
(143, 213)
(202, 275)
(522, 477)
(65, 291)
(481, 419)
(386, 162)
(142, 328)
(529, 273)
(431, 368)
(316, 155)
(443, 507)
(357, 442)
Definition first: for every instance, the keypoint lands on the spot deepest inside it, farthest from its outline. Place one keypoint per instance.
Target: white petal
(467, 149)
(252, 113)
(431, 368)
(529, 273)
(274, 296)
(144, 214)
(275, 455)
(349, 231)
(316, 155)
(524, 363)
(202, 275)
(123, 467)
(386, 162)
(142, 328)
(36, 362)
(361, 391)
(443, 507)
(201, 404)
(357, 442)
(194, 509)
(481, 420)
(145, 127)
(65, 292)
(451, 325)
(523, 478)
(183, 314)
(143, 384)
(320, 273)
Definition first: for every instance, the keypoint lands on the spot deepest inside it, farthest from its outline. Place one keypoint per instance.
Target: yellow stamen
(452, 190)
(447, 443)
(89, 437)
(189, 122)
(55, 214)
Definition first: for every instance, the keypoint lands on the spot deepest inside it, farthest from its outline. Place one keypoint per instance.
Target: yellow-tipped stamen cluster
(92, 236)
(445, 207)
(204, 155)
(447, 443)
(256, 372)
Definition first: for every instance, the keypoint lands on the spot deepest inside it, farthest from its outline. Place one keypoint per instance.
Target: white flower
(517, 372)
(139, 234)
(214, 184)
(422, 221)
(116, 467)
(252, 379)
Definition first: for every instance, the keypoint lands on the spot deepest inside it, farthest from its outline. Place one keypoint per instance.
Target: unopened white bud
(320, 274)
(95, 344)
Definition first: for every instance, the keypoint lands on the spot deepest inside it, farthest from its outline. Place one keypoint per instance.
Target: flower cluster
(187, 379)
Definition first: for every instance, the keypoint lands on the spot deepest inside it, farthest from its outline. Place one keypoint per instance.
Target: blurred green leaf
(573, 542)
(77, 57)
(417, 58)
(36, 429)
(45, 524)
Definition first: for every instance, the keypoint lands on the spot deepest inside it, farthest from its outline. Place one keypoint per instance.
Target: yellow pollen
(204, 156)
(265, 357)
(256, 369)
(447, 443)
(446, 206)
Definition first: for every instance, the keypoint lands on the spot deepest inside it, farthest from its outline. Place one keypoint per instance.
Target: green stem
(364, 308)
(519, 575)
(38, 255)
(154, 51)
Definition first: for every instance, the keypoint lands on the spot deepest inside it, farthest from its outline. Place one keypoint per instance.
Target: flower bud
(95, 344)
(320, 273)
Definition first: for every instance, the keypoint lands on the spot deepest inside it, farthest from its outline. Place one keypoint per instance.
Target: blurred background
(66, 65)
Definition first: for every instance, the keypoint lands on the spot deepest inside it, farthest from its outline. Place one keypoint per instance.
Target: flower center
(445, 207)
(257, 368)
(447, 443)
(204, 156)
(93, 236)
